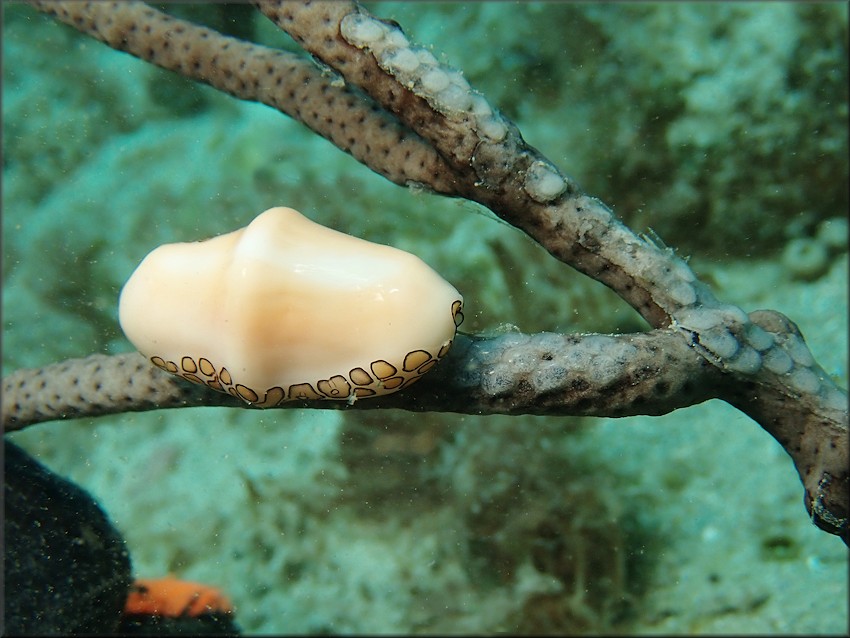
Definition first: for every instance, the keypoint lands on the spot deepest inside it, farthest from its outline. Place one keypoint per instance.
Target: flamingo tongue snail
(287, 310)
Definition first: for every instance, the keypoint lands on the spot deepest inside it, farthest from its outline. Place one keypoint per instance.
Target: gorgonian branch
(408, 117)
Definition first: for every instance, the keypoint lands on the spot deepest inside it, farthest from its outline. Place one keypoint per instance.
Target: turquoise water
(722, 128)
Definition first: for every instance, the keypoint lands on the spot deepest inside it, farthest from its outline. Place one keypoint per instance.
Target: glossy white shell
(286, 309)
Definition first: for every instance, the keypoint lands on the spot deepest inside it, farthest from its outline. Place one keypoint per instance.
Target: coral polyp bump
(288, 310)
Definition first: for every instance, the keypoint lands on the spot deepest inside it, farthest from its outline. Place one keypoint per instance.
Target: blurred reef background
(722, 128)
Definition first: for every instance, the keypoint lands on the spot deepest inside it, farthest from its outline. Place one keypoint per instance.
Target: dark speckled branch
(291, 84)
(601, 375)
(455, 143)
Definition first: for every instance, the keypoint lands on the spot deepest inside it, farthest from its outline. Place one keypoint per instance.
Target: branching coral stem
(410, 118)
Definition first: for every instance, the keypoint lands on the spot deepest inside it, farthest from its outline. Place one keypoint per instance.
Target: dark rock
(67, 570)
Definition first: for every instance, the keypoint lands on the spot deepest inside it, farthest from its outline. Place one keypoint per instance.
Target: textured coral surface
(721, 128)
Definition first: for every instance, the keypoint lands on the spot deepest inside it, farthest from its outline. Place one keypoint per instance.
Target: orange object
(172, 597)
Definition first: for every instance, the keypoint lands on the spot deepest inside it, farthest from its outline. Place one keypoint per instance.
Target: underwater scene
(720, 130)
